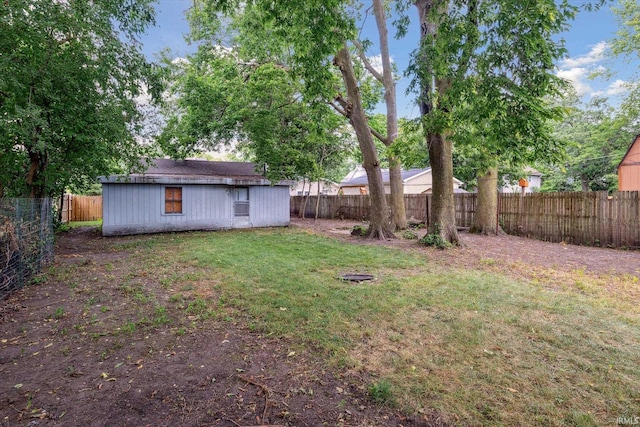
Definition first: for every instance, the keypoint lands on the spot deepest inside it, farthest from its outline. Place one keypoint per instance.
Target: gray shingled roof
(202, 168)
(362, 180)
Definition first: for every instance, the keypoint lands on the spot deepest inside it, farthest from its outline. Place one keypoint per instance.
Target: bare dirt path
(510, 251)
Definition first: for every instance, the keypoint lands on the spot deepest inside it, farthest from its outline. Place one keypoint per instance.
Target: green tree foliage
(69, 73)
(309, 42)
(627, 44)
(248, 96)
(596, 136)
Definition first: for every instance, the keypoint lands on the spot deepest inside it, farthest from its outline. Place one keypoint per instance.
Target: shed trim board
(136, 204)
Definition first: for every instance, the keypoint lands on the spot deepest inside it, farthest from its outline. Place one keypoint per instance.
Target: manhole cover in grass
(351, 277)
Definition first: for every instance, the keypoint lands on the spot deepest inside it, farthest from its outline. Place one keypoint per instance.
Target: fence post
(499, 201)
(427, 218)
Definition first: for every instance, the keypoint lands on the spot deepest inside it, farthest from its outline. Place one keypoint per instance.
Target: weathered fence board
(81, 208)
(593, 218)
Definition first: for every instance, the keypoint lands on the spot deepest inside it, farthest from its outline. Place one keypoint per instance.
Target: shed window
(173, 200)
(241, 201)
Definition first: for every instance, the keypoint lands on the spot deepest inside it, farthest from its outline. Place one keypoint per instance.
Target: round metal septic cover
(352, 277)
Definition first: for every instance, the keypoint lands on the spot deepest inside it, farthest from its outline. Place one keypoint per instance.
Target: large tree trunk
(398, 213)
(443, 213)
(584, 182)
(61, 208)
(379, 212)
(32, 174)
(317, 202)
(486, 218)
(443, 208)
(305, 198)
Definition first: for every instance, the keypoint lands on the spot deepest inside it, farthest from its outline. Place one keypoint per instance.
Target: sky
(586, 42)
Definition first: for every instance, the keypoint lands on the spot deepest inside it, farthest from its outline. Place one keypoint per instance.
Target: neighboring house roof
(626, 163)
(532, 172)
(162, 171)
(407, 175)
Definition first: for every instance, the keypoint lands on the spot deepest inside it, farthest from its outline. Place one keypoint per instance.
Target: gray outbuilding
(180, 195)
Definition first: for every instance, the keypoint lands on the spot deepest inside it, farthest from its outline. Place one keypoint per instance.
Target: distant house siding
(534, 181)
(302, 188)
(629, 169)
(629, 178)
(419, 184)
(139, 208)
(269, 206)
(354, 191)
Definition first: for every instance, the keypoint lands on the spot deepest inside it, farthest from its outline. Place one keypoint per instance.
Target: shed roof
(531, 171)
(165, 171)
(202, 168)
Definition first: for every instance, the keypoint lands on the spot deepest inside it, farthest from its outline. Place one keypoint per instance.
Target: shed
(629, 168)
(181, 195)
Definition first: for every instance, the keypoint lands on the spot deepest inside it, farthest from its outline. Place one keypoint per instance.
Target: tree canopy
(244, 93)
(627, 45)
(307, 47)
(69, 75)
(596, 135)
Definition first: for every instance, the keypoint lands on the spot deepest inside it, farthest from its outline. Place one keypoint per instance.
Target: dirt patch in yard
(510, 252)
(87, 347)
(76, 350)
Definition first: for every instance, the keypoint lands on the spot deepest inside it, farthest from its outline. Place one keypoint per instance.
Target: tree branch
(366, 62)
(378, 135)
(338, 109)
(471, 38)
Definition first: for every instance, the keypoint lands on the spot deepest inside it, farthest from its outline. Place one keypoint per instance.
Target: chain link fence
(26, 241)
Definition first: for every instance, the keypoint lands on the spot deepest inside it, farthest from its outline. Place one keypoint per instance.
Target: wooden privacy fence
(593, 218)
(81, 208)
(356, 207)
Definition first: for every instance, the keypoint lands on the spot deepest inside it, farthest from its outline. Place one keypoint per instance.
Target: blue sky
(586, 42)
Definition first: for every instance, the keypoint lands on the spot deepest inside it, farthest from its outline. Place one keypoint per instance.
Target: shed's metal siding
(138, 208)
(269, 206)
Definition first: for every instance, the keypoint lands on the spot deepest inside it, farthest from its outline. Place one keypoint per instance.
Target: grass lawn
(78, 224)
(478, 347)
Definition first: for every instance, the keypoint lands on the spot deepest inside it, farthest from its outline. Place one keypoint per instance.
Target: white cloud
(578, 70)
(578, 78)
(595, 55)
(376, 62)
(179, 61)
(144, 97)
(618, 87)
